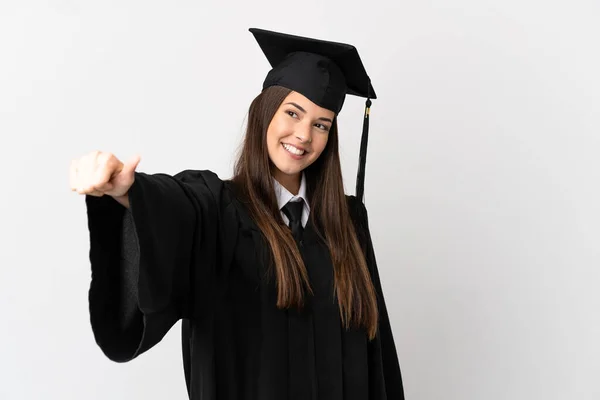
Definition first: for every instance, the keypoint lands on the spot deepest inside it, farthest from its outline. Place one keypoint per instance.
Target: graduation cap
(324, 72)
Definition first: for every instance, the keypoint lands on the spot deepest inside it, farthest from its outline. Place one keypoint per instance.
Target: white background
(482, 179)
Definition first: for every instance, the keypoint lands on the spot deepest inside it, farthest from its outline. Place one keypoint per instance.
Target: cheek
(273, 134)
(271, 146)
(319, 144)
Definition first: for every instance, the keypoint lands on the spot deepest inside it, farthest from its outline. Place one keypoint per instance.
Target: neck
(290, 182)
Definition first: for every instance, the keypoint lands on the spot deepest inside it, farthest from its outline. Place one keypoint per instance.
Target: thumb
(131, 164)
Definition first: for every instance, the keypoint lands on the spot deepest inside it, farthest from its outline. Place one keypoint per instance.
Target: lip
(296, 146)
(294, 156)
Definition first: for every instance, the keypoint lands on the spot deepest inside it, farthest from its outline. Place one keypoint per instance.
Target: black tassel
(362, 161)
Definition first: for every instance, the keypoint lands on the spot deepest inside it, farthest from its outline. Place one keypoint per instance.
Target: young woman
(272, 272)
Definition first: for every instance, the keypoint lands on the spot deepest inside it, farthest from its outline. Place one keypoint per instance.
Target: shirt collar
(284, 196)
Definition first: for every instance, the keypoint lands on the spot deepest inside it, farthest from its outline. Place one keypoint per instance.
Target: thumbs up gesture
(99, 173)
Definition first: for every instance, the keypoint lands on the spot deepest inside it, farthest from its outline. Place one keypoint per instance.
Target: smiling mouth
(294, 150)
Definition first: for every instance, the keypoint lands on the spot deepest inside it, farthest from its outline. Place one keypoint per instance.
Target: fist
(99, 173)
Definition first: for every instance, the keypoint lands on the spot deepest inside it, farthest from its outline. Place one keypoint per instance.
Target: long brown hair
(329, 212)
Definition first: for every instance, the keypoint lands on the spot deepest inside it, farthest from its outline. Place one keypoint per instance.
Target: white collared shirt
(284, 196)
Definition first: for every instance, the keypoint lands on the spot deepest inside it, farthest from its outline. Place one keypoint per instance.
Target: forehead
(307, 104)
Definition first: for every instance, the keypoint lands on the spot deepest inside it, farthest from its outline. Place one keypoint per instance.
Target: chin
(282, 162)
(289, 170)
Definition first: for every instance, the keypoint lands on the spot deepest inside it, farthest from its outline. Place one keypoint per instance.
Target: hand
(99, 173)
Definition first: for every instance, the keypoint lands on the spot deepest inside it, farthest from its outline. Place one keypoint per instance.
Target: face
(297, 135)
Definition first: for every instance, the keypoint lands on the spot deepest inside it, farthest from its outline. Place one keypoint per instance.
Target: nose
(304, 135)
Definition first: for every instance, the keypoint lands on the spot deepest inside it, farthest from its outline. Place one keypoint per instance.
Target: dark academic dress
(187, 250)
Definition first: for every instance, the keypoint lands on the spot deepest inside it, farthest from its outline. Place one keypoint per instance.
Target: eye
(323, 127)
(292, 114)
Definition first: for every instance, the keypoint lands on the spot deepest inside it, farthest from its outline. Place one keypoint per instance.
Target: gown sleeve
(141, 259)
(384, 367)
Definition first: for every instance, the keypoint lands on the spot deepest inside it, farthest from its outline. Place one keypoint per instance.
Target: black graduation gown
(187, 250)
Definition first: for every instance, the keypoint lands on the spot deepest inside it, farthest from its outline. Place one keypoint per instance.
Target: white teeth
(293, 149)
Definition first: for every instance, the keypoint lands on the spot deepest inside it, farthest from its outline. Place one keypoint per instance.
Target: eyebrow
(304, 111)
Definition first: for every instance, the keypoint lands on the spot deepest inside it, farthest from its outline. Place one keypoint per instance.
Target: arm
(385, 374)
(141, 259)
(123, 200)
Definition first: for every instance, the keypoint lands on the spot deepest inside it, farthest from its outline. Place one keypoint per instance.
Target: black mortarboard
(322, 71)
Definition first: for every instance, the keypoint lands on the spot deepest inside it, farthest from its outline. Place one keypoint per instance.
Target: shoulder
(203, 176)
(207, 182)
(357, 210)
(360, 219)
(223, 191)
